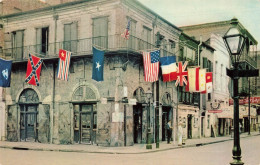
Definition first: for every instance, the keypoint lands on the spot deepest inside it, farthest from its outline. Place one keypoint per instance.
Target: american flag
(64, 64)
(151, 65)
(126, 33)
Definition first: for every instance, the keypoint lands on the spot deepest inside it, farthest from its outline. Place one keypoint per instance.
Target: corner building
(82, 110)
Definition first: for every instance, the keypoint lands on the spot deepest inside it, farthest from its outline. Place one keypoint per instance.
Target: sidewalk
(136, 149)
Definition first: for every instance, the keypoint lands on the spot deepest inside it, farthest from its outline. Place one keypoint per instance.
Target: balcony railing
(249, 60)
(82, 47)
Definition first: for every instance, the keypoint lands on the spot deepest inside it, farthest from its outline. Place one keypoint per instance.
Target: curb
(108, 152)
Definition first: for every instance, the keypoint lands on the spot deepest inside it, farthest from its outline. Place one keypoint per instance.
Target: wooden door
(86, 128)
(137, 123)
(28, 123)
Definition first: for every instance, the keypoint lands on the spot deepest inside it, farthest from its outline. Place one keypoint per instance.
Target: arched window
(84, 93)
(139, 95)
(28, 96)
(166, 99)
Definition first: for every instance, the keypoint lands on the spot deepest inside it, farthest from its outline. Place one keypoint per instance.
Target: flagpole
(46, 68)
(200, 95)
(53, 105)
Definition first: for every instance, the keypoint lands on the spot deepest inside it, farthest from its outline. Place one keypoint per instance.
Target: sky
(191, 12)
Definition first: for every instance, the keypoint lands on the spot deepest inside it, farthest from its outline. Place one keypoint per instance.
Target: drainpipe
(200, 105)
(55, 18)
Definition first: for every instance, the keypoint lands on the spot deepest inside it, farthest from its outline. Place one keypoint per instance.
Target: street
(213, 154)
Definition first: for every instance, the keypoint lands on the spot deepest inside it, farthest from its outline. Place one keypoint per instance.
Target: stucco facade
(212, 33)
(82, 110)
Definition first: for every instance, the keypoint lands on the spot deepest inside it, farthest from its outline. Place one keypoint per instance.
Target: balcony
(251, 61)
(82, 47)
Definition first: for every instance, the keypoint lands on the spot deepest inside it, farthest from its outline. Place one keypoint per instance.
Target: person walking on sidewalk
(180, 134)
(169, 131)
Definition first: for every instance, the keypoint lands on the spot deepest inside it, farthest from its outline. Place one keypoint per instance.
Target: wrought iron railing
(249, 60)
(82, 47)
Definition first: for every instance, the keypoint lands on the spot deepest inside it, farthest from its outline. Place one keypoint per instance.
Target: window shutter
(205, 62)
(211, 66)
(74, 36)
(19, 44)
(38, 40)
(100, 31)
(8, 44)
(67, 38)
(67, 30)
(132, 39)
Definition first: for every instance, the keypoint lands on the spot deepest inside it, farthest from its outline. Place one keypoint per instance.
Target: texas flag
(98, 65)
(169, 68)
(208, 83)
(197, 80)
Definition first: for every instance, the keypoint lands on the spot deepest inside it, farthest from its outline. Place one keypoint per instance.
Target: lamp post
(235, 42)
(148, 96)
(249, 125)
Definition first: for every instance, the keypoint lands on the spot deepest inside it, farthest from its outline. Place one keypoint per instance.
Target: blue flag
(5, 73)
(98, 65)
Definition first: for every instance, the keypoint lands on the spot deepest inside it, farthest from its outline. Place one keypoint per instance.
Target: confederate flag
(34, 66)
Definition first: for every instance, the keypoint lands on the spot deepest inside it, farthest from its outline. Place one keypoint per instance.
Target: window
(205, 62)
(132, 40)
(70, 37)
(164, 47)
(147, 37)
(17, 44)
(100, 32)
(190, 54)
(42, 40)
(181, 56)
(210, 67)
(209, 96)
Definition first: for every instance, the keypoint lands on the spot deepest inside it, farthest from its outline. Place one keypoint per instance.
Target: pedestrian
(240, 128)
(180, 134)
(169, 132)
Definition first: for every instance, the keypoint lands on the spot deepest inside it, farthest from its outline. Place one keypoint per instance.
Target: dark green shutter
(205, 62)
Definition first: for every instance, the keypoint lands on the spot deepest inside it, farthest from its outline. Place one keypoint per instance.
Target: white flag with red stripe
(197, 80)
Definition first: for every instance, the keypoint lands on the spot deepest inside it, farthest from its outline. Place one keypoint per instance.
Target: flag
(33, 72)
(151, 65)
(5, 72)
(208, 83)
(202, 80)
(196, 77)
(181, 74)
(63, 65)
(98, 65)
(169, 68)
(126, 33)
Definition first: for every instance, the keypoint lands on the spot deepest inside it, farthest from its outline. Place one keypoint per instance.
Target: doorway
(85, 123)
(28, 123)
(189, 126)
(165, 118)
(138, 123)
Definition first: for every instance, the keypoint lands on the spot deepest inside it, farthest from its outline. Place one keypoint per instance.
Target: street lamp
(235, 42)
(148, 96)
